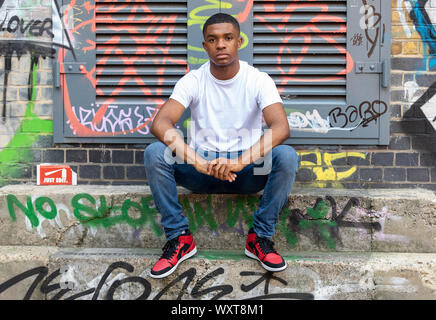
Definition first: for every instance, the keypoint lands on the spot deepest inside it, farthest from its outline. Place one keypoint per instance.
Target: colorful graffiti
(291, 60)
(133, 43)
(26, 38)
(16, 144)
(317, 224)
(122, 74)
(424, 18)
(128, 62)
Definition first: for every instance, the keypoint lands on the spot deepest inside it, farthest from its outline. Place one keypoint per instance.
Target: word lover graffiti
(31, 28)
(19, 26)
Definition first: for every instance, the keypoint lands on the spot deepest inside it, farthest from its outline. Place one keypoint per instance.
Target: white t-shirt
(226, 115)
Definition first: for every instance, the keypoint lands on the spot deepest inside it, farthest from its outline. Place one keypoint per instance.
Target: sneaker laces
(266, 245)
(170, 249)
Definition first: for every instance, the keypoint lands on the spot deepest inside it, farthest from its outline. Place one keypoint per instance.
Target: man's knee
(154, 153)
(286, 158)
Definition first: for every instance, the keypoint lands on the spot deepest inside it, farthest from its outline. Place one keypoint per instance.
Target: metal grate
(302, 45)
(141, 50)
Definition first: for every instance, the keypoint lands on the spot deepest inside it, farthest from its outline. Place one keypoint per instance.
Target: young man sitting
(227, 152)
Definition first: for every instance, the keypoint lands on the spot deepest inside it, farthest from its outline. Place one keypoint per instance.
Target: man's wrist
(199, 161)
(246, 158)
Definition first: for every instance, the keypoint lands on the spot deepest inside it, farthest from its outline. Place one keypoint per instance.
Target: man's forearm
(271, 138)
(177, 144)
(171, 137)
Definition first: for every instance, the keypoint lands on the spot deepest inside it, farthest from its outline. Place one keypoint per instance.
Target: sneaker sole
(253, 256)
(166, 274)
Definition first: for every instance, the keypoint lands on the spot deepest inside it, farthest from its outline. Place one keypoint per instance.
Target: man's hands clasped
(224, 169)
(221, 168)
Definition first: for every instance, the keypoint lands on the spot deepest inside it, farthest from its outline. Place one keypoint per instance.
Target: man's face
(221, 42)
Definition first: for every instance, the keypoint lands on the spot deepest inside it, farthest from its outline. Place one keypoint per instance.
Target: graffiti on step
(322, 222)
(315, 222)
(57, 286)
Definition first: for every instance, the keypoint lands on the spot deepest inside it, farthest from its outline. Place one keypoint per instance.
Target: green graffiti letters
(93, 216)
(90, 213)
(320, 223)
(290, 236)
(39, 205)
(104, 215)
(28, 211)
(199, 215)
(96, 211)
(233, 214)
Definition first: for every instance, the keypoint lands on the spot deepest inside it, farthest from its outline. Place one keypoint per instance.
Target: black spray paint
(200, 289)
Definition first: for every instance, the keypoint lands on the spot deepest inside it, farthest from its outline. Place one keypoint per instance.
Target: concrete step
(105, 273)
(126, 217)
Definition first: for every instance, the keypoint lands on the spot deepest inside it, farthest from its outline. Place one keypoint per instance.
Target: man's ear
(240, 42)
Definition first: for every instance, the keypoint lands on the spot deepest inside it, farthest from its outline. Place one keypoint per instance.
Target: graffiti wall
(114, 53)
(413, 125)
(420, 32)
(26, 38)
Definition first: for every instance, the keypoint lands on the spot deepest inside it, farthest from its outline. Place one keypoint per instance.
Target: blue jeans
(163, 177)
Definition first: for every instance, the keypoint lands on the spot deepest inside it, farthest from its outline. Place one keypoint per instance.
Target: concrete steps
(99, 242)
(103, 273)
(125, 217)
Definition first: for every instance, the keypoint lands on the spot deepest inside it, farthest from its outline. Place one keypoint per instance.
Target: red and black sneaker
(262, 249)
(175, 251)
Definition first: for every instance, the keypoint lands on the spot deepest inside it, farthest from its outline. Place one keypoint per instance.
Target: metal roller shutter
(329, 59)
(140, 52)
(302, 45)
(311, 50)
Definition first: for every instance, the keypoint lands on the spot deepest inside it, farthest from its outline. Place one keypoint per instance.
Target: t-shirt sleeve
(184, 90)
(267, 91)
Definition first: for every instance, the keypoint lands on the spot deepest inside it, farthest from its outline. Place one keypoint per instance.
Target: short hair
(221, 18)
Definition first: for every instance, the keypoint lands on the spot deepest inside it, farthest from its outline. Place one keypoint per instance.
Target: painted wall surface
(31, 30)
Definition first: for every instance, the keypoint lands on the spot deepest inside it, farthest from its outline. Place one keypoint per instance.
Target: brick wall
(26, 133)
